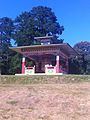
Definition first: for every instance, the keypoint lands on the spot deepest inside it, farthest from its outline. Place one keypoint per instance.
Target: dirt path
(45, 102)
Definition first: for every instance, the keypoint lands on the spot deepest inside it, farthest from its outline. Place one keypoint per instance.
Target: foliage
(45, 21)
(24, 29)
(83, 49)
(74, 66)
(15, 63)
(38, 22)
(6, 30)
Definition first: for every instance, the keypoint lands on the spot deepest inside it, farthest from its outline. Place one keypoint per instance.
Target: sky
(74, 15)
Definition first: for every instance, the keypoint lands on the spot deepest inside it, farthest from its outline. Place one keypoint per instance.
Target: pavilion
(49, 58)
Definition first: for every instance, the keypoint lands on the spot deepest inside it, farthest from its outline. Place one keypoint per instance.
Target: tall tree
(46, 21)
(6, 30)
(38, 22)
(83, 48)
(74, 67)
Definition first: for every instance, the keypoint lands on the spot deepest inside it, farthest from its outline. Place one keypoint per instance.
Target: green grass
(43, 79)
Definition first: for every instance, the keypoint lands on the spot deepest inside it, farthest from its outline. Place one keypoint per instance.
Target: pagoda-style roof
(44, 38)
(54, 49)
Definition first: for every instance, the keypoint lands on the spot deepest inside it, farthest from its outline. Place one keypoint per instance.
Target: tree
(15, 63)
(6, 30)
(38, 22)
(83, 49)
(24, 30)
(74, 67)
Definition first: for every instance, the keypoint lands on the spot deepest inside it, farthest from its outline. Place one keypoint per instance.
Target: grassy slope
(44, 79)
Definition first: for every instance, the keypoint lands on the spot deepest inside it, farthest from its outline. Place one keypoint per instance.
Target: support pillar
(23, 65)
(57, 64)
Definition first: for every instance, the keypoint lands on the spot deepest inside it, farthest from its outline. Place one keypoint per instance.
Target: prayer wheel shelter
(48, 58)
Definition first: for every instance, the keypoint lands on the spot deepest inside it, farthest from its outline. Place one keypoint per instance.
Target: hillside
(44, 79)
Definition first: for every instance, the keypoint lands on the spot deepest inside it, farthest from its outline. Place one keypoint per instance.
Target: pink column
(57, 64)
(23, 65)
